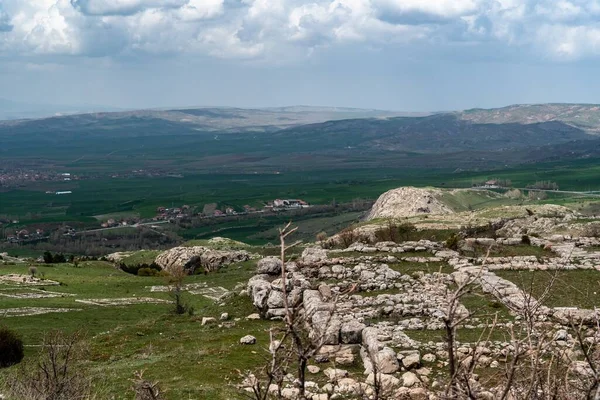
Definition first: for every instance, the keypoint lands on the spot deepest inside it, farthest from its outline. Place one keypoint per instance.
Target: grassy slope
(199, 359)
(580, 288)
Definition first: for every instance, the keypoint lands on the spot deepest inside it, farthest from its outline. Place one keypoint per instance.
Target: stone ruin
(336, 293)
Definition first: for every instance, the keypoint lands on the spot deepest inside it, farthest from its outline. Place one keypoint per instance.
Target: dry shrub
(348, 236)
(57, 373)
(321, 236)
(145, 389)
(592, 230)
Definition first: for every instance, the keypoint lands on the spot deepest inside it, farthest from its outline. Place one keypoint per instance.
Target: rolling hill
(303, 138)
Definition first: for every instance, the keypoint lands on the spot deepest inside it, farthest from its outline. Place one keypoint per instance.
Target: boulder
(290, 393)
(181, 257)
(351, 332)
(386, 382)
(411, 361)
(269, 266)
(410, 379)
(215, 259)
(208, 320)
(325, 291)
(191, 258)
(275, 299)
(335, 374)
(313, 255)
(387, 363)
(561, 335)
(313, 369)
(259, 293)
(248, 339)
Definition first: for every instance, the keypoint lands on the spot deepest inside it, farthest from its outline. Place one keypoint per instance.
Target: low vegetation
(11, 348)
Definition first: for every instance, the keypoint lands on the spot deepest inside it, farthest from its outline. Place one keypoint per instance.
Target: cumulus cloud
(123, 7)
(417, 11)
(288, 29)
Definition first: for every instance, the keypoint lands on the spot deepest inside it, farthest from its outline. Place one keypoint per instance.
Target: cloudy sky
(411, 55)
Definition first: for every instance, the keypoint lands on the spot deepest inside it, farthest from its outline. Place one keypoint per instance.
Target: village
(211, 210)
(171, 215)
(18, 177)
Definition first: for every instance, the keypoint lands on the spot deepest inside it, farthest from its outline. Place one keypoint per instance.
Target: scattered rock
(335, 374)
(248, 339)
(313, 369)
(411, 361)
(410, 379)
(561, 335)
(387, 362)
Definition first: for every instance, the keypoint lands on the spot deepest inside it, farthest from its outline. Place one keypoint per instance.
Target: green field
(580, 288)
(142, 196)
(200, 360)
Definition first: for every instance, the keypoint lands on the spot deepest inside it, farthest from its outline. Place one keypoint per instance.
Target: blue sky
(412, 55)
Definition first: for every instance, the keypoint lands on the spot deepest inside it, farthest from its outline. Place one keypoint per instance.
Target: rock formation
(191, 258)
(409, 201)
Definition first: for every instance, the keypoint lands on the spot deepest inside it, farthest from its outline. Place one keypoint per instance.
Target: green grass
(189, 360)
(409, 267)
(578, 288)
(463, 335)
(141, 257)
(509, 251)
(474, 200)
(485, 306)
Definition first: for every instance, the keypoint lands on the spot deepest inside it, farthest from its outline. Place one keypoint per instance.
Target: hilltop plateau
(383, 308)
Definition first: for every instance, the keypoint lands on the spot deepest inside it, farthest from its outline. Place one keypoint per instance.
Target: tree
(175, 280)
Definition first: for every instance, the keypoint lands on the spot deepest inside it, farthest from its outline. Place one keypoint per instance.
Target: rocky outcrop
(408, 202)
(313, 255)
(191, 258)
(269, 266)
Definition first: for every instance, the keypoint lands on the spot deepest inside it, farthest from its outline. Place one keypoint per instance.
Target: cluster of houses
(231, 211)
(166, 214)
(25, 234)
(112, 223)
(288, 204)
(494, 184)
(17, 177)
(275, 205)
(178, 213)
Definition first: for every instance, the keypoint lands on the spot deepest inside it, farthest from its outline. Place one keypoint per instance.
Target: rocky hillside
(411, 201)
(585, 116)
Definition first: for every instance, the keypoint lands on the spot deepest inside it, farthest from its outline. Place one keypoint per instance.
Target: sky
(405, 55)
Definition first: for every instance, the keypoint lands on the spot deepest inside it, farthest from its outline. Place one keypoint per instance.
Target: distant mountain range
(466, 139)
(584, 116)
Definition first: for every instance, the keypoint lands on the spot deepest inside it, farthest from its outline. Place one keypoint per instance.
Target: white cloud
(445, 9)
(123, 7)
(289, 29)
